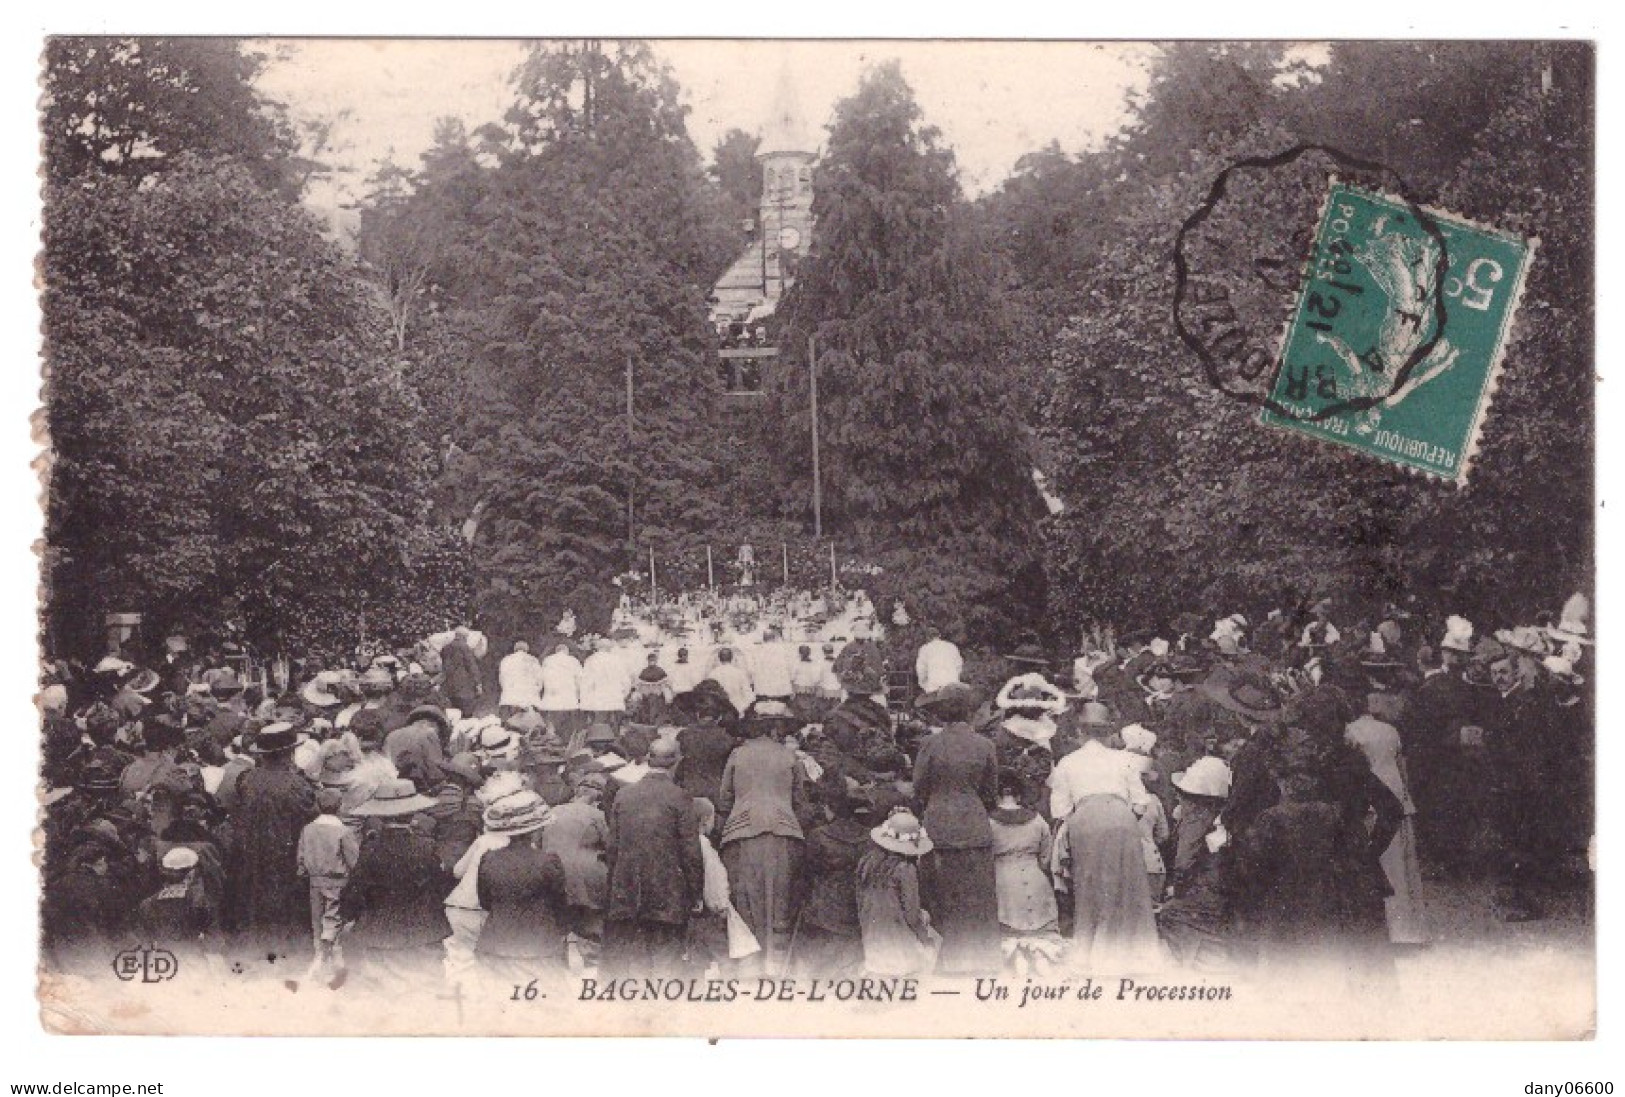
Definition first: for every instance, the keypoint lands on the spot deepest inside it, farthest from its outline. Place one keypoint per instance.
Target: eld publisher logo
(147, 965)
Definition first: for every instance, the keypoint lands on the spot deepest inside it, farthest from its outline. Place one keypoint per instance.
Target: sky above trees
(993, 101)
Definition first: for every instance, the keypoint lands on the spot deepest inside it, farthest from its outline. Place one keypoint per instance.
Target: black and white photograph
(817, 537)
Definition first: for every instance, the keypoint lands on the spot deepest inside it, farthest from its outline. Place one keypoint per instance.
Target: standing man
(770, 668)
(519, 677)
(604, 685)
(734, 680)
(561, 690)
(938, 663)
(461, 669)
(274, 803)
(656, 873)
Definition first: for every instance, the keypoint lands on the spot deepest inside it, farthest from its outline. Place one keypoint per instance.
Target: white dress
(1407, 918)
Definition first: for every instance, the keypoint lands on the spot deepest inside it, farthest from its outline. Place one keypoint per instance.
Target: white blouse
(1095, 770)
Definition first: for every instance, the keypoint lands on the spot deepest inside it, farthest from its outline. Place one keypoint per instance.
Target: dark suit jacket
(523, 888)
(655, 870)
(461, 671)
(956, 777)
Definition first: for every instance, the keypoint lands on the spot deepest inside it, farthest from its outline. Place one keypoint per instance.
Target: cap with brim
(902, 833)
(277, 738)
(397, 797)
(179, 859)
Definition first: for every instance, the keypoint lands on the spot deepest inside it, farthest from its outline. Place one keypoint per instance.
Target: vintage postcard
(817, 538)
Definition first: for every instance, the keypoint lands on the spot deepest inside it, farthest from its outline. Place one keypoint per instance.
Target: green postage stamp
(1397, 338)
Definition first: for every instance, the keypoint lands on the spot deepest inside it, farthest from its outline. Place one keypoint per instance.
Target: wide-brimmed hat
(1247, 695)
(337, 770)
(517, 813)
(1207, 776)
(525, 721)
(277, 738)
(1571, 626)
(902, 833)
(376, 679)
(1029, 653)
(144, 680)
(223, 682)
(955, 701)
(397, 797)
(434, 714)
(771, 712)
(318, 691)
(496, 743)
(1526, 639)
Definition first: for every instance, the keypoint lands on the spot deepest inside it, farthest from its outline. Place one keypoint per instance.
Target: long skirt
(762, 880)
(1112, 922)
(459, 947)
(1407, 920)
(964, 907)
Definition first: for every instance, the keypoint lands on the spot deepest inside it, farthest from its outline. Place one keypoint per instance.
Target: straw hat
(1458, 635)
(517, 813)
(180, 859)
(1571, 627)
(1249, 696)
(1526, 639)
(397, 797)
(1207, 776)
(902, 833)
(277, 738)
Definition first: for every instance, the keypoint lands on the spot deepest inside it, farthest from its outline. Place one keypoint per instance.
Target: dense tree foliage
(227, 425)
(509, 394)
(1178, 499)
(924, 466)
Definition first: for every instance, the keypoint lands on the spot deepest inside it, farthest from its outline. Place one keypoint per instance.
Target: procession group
(749, 796)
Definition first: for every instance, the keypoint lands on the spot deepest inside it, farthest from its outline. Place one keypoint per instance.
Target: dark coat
(833, 853)
(956, 778)
(461, 673)
(418, 755)
(396, 893)
(523, 888)
(274, 802)
(655, 870)
(705, 750)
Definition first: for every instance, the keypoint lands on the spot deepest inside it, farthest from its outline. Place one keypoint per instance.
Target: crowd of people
(1215, 795)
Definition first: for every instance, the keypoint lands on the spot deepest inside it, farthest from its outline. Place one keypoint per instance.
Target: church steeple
(785, 131)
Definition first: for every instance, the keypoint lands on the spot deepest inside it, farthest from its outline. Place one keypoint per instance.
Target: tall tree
(124, 105)
(923, 465)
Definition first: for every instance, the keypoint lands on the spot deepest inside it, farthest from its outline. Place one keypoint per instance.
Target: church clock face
(789, 238)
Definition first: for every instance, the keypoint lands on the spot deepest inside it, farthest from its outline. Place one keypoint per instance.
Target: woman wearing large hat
(394, 897)
(523, 888)
(1094, 789)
